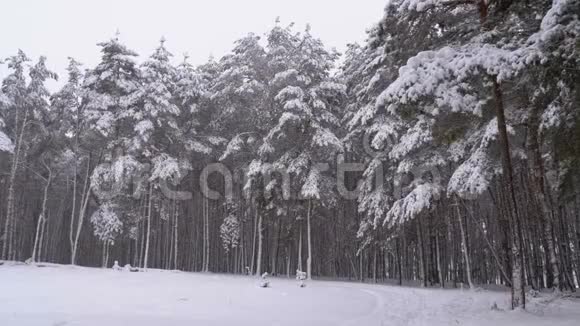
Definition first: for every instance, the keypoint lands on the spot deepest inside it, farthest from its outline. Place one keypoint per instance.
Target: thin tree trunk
(73, 209)
(420, 245)
(309, 259)
(82, 212)
(42, 217)
(300, 248)
(206, 249)
(255, 231)
(148, 238)
(400, 261)
(438, 253)
(260, 245)
(464, 246)
(175, 240)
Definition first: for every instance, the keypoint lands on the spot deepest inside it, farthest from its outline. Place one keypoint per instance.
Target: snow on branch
(472, 178)
(416, 136)
(166, 167)
(443, 73)
(106, 223)
(311, 188)
(418, 200)
(5, 143)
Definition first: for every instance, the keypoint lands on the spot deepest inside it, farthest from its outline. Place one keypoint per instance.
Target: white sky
(62, 28)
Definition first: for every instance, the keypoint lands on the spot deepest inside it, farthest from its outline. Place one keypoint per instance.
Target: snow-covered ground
(58, 295)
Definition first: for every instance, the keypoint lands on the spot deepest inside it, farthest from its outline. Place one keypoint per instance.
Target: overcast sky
(62, 28)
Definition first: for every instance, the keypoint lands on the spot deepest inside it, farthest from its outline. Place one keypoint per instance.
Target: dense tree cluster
(458, 122)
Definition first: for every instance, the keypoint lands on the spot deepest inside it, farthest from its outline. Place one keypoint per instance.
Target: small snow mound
(117, 267)
(264, 283)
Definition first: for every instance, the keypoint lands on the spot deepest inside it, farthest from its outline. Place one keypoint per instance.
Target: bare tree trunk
(464, 246)
(255, 231)
(73, 210)
(518, 291)
(82, 212)
(309, 230)
(205, 267)
(438, 253)
(420, 246)
(42, 217)
(260, 244)
(400, 261)
(375, 264)
(175, 236)
(300, 247)
(276, 249)
(148, 237)
(37, 237)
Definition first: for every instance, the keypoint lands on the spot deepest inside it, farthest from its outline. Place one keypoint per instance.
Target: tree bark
(42, 218)
(148, 237)
(82, 212)
(518, 291)
(309, 231)
(464, 246)
(260, 243)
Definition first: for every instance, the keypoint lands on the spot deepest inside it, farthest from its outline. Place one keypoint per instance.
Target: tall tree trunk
(206, 249)
(41, 218)
(309, 231)
(399, 261)
(300, 246)
(254, 239)
(260, 243)
(148, 237)
(82, 211)
(421, 249)
(175, 236)
(518, 291)
(375, 264)
(73, 209)
(464, 245)
(439, 267)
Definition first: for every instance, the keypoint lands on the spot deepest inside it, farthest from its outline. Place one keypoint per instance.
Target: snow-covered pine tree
(305, 109)
(200, 133)
(27, 111)
(110, 99)
(68, 114)
(110, 107)
(5, 142)
(157, 113)
(107, 227)
(452, 84)
(242, 97)
(15, 109)
(366, 71)
(156, 126)
(110, 94)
